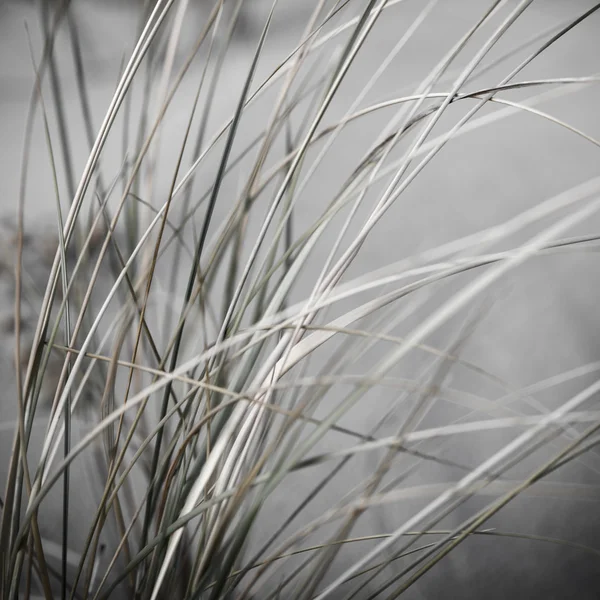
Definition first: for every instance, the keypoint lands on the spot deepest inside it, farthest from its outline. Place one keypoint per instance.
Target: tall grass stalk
(233, 384)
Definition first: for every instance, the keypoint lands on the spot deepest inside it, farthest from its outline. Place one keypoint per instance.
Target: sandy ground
(544, 317)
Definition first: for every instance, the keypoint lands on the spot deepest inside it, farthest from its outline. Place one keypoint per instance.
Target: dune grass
(219, 369)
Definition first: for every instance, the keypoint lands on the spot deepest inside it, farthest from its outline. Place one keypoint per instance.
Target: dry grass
(214, 395)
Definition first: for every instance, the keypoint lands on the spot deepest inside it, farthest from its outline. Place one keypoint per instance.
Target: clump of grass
(233, 384)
